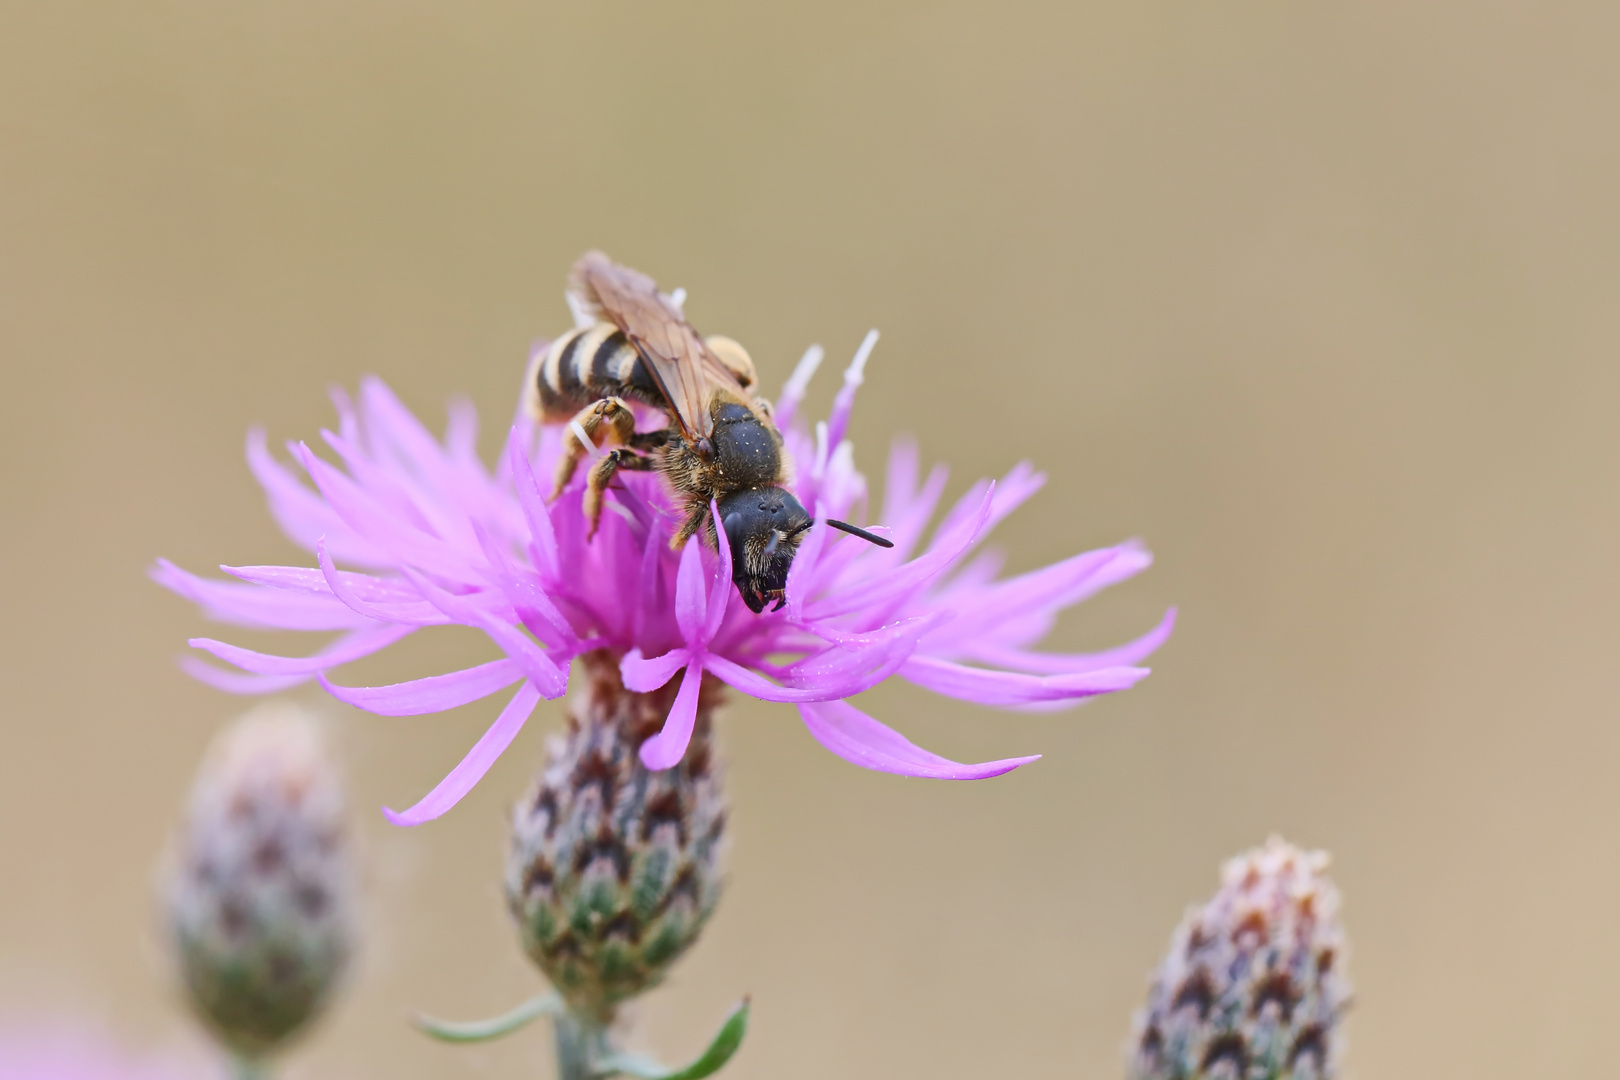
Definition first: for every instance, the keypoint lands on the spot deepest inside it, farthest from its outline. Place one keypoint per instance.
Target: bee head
(763, 526)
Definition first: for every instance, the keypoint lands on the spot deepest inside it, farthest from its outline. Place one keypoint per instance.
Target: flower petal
(302, 514)
(543, 539)
(720, 591)
(803, 569)
(435, 693)
(256, 606)
(642, 676)
(691, 600)
(376, 523)
(477, 762)
(861, 740)
(1039, 663)
(530, 602)
(537, 667)
(844, 402)
(860, 670)
(896, 584)
(665, 749)
(349, 647)
(417, 612)
(238, 682)
(1011, 688)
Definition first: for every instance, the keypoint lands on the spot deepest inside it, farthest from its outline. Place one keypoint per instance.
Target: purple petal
(642, 676)
(857, 738)
(908, 519)
(255, 606)
(434, 693)
(537, 667)
(477, 762)
(645, 676)
(238, 682)
(417, 613)
(543, 538)
(1011, 688)
(301, 513)
(1039, 663)
(1018, 610)
(720, 592)
(803, 569)
(403, 539)
(787, 403)
(758, 686)
(690, 599)
(650, 588)
(913, 575)
(533, 606)
(351, 646)
(665, 749)
(310, 579)
(844, 403)
(832, 673)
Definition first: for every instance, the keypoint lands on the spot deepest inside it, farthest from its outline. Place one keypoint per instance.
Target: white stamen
(803, 371)
(584, 439)
(622, 510)
(582, 318)
(678, 298)
(856, 373)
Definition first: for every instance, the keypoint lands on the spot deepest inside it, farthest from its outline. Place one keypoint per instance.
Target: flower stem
(244, 1068)
(580, 1044)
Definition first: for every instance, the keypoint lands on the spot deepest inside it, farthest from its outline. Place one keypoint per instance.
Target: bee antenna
(770, 548)
(870, 538)
(731, 524)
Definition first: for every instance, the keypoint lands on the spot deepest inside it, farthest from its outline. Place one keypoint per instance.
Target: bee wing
(686, 371)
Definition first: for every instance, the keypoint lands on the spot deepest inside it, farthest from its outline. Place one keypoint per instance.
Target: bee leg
(648, 441)
(694, 521)
(601, 475)
(611, 412)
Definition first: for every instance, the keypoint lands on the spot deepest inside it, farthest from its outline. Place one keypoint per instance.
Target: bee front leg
(608, 420)
(601, 475)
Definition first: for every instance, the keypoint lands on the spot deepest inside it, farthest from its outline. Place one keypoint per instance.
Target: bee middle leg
(602, 474)
(607, 420)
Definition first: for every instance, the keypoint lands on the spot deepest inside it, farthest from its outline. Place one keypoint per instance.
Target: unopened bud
(260, 892)
(613, 869)
(1254, 986)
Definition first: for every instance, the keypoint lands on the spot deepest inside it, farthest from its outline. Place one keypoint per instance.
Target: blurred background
(1317, 299)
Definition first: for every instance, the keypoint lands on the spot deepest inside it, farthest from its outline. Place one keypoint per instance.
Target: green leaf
(711, 1061)
(479, 1030)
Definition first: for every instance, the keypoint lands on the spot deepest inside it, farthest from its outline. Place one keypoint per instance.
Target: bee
(721, 444)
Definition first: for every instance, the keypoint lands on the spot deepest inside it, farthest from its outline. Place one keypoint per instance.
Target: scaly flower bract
(437, 538)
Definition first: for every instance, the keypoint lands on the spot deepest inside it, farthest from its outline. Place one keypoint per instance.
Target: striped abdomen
(586, 365)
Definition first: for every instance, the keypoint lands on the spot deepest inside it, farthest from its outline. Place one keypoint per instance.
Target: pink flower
(56, 1050)
(434, 538)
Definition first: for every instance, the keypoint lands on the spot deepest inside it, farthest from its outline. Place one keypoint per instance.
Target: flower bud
(1254, 985)
(613, 869)
(260, 893)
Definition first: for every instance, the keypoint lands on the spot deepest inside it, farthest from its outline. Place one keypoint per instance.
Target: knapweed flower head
(260, 885)
(409, 532)
(613, 869)
(1254, 985)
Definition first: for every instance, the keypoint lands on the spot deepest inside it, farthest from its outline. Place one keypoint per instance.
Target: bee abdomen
(586, 365)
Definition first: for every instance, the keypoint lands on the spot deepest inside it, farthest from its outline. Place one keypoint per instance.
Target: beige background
(1318, 299)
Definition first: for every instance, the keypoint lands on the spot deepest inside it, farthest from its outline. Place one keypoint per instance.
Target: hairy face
(763, 526)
